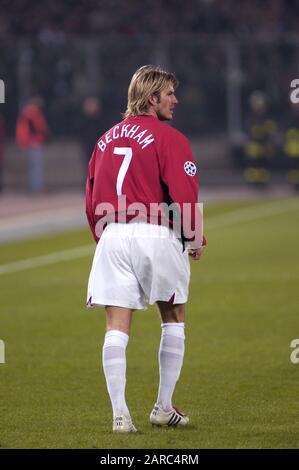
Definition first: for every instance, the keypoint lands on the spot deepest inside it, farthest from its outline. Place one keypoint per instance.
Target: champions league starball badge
(190, 168)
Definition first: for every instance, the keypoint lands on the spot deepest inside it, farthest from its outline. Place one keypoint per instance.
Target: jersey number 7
(127, 153)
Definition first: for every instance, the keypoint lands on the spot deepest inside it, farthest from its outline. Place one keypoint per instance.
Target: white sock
(114, 365)
(171, 354)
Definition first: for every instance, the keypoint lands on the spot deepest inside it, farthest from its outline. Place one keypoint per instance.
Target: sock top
(173, 329)
(181, 324)
(117, 334)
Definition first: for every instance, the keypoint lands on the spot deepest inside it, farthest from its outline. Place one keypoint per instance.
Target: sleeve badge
(190, 168)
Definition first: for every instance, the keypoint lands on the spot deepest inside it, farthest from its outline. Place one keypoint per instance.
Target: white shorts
(137, 263)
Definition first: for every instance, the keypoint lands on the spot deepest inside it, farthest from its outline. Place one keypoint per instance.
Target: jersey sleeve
(179, 174)
(89, 193)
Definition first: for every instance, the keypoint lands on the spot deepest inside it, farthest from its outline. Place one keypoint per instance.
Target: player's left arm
(179, 173)
(195, 253)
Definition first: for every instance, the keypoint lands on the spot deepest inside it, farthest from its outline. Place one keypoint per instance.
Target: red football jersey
(138, 164)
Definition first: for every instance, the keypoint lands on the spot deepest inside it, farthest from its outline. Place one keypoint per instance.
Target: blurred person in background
(291, 145)
(90, 126)
(260, 147)
(143, 162)
(2, 143)
(31, 134)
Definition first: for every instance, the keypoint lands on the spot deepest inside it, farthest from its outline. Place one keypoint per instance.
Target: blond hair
(147, 81)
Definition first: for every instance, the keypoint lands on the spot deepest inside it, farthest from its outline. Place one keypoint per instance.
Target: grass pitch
(238, 384)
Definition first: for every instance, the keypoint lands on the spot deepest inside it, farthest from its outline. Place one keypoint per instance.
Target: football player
(142, 208)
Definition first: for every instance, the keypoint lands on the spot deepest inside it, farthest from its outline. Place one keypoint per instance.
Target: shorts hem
(179, 300)
(114, 303)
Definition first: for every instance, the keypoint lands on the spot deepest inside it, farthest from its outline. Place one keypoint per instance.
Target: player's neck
(152, 112)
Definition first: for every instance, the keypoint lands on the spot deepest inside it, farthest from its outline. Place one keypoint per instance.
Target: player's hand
(195, 253)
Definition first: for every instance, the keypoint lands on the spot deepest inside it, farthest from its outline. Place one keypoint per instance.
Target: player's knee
(172, 313)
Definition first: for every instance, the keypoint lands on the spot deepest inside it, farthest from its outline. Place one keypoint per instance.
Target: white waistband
(138, 229)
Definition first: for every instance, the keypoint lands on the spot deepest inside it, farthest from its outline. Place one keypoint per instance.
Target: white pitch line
(229, 218)
(261, 277)
(248, 214)
(40, 218)
(45, 260)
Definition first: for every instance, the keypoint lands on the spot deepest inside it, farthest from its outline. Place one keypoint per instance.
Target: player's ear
(153, 100)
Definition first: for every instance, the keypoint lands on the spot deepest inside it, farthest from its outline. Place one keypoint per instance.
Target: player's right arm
(89, 193)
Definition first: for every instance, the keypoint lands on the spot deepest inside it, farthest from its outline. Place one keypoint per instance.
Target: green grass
(237, 383)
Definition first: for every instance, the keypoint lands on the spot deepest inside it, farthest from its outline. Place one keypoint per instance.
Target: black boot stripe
(175, 419)
(172, 418)
(178, 419)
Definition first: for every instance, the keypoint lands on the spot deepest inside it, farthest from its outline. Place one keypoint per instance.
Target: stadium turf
(238, 384)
